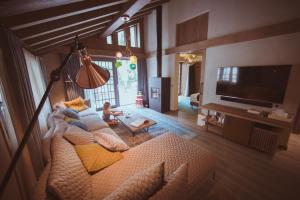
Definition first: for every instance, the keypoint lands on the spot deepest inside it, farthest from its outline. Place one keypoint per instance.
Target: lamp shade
(90, 75)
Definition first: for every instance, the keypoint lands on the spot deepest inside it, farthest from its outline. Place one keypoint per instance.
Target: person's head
(106, 105)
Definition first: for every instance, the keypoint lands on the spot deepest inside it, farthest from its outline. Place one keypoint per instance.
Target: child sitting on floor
(107, 112)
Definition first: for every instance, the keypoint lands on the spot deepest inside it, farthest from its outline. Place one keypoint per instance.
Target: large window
(134, 35)
(121, 88)
(127, 83)
(106, 92)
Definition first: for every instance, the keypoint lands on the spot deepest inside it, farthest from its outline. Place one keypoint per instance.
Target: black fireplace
(159, 97)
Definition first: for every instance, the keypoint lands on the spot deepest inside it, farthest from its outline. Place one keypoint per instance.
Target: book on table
(139, 122)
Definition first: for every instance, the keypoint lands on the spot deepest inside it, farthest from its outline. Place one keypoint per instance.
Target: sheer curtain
(21, 105)
(143, 79)
(38, 86)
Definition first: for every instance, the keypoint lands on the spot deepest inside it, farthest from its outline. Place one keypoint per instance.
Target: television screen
(258, 83)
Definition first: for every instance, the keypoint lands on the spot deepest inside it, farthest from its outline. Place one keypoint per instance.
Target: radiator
(264, 140)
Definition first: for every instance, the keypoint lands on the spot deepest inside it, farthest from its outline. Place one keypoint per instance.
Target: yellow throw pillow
(76, 104)
(69, 119)
(94, 157)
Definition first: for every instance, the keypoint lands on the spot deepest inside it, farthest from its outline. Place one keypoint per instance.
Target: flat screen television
(253, 84)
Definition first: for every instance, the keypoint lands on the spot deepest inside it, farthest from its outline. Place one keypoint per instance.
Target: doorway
(190, 82)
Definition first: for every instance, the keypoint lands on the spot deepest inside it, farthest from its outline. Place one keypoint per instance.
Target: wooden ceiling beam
(24, 20)
(59, 24)
(67, 37)
(72, 33)
(67, 41)
(129, 9)
(140, 14)
(15, 7)
(42, 38)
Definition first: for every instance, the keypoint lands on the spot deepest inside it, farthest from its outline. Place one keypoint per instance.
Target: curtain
(72, 90)
(21, 104)
(8, 145)
(38, 85)
(143, 79)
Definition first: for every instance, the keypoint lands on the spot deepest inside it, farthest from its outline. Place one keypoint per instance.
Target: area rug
(139, 137)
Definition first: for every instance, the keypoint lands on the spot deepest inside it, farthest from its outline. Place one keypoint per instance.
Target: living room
(200, 96)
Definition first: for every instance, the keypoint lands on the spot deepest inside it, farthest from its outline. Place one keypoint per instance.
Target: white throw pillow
(141, 185)
(110, 142)
(93, 122)
(78, 136)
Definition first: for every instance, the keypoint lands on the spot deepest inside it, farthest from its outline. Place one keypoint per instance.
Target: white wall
(225, 17)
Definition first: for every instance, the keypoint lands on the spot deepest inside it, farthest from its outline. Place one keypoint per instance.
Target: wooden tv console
(261, 133)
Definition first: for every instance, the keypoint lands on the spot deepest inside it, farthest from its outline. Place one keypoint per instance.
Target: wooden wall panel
(192, 30)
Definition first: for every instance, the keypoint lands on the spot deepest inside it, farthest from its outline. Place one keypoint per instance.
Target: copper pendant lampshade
(90, 75)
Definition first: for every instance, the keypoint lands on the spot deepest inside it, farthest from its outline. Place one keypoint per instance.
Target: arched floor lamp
(89, 76)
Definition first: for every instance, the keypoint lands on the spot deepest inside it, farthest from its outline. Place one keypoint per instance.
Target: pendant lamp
(90, 75)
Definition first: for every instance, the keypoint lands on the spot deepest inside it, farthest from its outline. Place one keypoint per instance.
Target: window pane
(121, 38)
(109, 39)
(127, 83)
(133, 36)
(104, 93)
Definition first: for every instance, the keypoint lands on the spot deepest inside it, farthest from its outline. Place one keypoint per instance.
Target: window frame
(115, 81)
(124, 37)
(111, 40)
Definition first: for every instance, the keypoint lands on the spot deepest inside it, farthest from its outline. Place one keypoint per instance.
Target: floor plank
(242, 171)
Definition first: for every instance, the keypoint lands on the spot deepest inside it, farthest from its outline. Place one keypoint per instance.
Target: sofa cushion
(93, 122)
(76, 104)
(94, 157)
(69, 112)
(60, 126)
(176, 187)
(159, 149)
(110, 142)
(69, 119)
(68, 178)
(78, 136)
(87, 112)
(140, 186)
(79, 124)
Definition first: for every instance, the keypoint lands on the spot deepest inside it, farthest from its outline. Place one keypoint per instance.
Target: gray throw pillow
(71, 113)
(79, 124)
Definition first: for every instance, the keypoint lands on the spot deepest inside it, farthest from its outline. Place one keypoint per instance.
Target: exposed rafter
(65, 41)
(46, 15)
(62, 32)
(49, 25)
(59, 24)
(65, 37)
(130, 9)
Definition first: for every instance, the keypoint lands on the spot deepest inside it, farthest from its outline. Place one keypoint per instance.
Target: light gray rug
(139, 137)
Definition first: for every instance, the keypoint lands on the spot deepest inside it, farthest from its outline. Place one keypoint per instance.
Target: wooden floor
(243, 172)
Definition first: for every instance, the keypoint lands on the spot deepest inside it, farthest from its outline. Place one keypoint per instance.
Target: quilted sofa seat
(69, 179)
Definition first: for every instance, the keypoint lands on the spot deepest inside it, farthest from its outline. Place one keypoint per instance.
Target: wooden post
(159, 39)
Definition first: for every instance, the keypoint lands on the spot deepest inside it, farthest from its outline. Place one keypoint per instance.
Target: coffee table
(127, 119)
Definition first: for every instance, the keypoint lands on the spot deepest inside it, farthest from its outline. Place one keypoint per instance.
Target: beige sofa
(65, 177)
